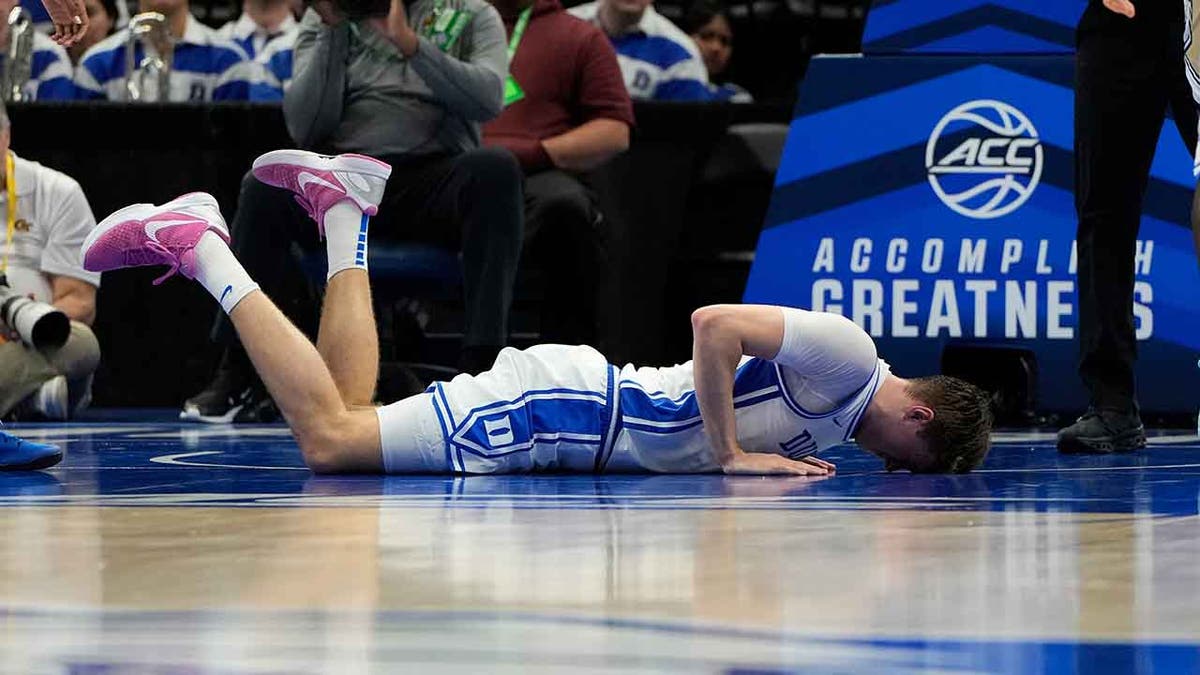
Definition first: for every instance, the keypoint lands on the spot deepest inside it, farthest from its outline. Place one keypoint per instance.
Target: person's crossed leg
(324, 391)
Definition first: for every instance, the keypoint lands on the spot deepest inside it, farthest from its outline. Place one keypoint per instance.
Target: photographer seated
(47, 219)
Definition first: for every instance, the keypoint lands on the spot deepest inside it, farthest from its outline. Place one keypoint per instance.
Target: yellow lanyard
(10, 187)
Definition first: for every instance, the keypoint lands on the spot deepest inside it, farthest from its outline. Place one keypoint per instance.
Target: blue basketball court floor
(161, 548)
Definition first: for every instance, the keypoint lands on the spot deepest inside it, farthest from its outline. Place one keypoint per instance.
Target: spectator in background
(266, 31)
(412, 92)
(275, 62)
(566, 112)
(102, 21)
(206, 67)
(50, 77)
(707, 21)
(261, 23)
(659, 61)
(40, 257)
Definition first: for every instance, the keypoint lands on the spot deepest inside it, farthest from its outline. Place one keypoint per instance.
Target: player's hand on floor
(821, 463)
(763, 464)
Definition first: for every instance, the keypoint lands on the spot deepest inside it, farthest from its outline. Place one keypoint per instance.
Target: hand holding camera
(37, 324)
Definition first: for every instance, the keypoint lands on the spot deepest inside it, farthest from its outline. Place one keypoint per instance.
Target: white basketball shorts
(546, 408)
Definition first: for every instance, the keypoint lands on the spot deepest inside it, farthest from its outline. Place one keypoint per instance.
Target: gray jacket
(352, 90)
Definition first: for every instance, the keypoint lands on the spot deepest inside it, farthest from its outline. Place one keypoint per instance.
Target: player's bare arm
(721, 336)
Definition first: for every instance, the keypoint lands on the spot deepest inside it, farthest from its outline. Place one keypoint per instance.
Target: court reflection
(744, 554)
(743, 559)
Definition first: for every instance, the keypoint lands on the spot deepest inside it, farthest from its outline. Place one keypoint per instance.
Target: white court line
(81, 431)
(175, 460)
(1173, 440)
(1087, 468)
(218, 432)
(527, 501)
(1019, 437)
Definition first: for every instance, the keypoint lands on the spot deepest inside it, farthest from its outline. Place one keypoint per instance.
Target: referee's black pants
(1127, 73)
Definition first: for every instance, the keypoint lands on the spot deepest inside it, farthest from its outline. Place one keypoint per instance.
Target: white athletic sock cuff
(346, 237)
(232, 295)
(220, 272)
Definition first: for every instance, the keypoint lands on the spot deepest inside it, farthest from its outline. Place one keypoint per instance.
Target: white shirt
(53, 218)
(252, 37)
(658, 60)
(50, 74)
(205, 67)
(809, 398)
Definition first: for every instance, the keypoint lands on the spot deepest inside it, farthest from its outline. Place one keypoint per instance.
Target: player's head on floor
(934, 424)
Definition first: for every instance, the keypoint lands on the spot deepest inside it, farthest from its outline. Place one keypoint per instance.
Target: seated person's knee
(80, 356)
(493, 164)
(572, 210)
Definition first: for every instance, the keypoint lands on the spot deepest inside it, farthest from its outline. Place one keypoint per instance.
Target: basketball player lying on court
(768, 388)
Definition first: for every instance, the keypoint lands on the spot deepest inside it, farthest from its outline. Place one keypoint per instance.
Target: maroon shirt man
(574, 116)
(569, 73)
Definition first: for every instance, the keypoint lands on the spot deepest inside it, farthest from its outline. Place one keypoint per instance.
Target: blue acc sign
(930, 200)
(972, 26)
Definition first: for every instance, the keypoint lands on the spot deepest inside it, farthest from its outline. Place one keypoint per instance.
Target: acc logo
(984, 159)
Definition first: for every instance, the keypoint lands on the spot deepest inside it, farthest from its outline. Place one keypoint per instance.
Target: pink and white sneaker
(320, 181)
(145, 234)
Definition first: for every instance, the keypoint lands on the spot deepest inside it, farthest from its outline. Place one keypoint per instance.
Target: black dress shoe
(227, 395)
(1103, 432)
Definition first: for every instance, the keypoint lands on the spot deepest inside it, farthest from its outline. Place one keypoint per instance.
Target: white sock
(346, 237)
(221, 273)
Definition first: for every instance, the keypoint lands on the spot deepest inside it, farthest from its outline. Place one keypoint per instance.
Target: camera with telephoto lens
(39, 325)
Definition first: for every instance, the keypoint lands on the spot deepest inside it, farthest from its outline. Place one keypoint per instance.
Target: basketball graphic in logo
(984, 159)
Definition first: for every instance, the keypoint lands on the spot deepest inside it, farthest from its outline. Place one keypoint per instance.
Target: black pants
(1127, 73)
(564, 241)
(469, 202)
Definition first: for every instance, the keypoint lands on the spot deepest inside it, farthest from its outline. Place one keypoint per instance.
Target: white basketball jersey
(661, 429)
(563, 408)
